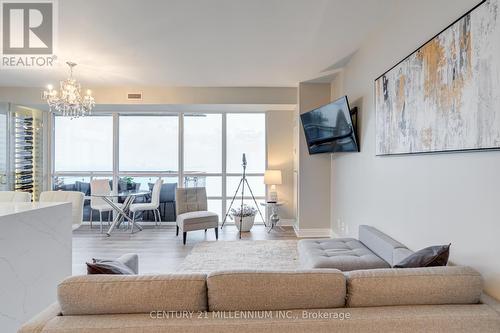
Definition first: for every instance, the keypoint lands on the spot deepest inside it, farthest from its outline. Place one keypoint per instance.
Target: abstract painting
(445, 96)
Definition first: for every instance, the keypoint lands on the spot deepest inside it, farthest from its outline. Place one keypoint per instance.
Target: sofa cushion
(345, 254)
(241, 290)
(379, 243)
(113, 294)
(82, 187)
(413, 286)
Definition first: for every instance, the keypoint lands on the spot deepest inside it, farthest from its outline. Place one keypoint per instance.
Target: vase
(246, 223)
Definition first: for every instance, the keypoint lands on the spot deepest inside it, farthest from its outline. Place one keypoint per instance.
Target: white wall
(166, 95)
(280, 146)
(314, 171)
(420, 200)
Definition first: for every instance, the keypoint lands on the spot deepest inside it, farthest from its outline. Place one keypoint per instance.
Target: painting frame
(496, 147)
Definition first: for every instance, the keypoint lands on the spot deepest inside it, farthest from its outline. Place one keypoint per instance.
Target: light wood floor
(159, 250)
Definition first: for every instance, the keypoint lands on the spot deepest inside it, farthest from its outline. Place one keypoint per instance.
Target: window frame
(116, 173)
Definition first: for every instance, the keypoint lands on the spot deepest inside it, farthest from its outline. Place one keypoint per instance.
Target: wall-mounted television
(331, 128)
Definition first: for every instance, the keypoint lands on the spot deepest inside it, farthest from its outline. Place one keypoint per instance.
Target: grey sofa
(374, 249)
(436, 299)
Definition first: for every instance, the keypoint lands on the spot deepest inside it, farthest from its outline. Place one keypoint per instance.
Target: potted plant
(129, 183)
(246, 216)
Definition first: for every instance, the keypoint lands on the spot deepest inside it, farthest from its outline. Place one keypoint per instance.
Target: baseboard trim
(312, 233)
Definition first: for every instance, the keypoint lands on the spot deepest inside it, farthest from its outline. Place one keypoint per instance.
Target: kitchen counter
(35, 255)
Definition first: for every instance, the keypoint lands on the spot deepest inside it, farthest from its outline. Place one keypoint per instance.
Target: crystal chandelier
(69, 101)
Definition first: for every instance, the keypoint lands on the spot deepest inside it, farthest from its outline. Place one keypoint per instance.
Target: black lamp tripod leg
(231, 205)
(256, 204)
(242, 183)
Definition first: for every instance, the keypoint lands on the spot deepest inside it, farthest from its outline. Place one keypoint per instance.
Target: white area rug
(245, 254)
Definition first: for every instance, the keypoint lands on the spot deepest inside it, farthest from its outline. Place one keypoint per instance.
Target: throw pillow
(428, 257)
(100, 266)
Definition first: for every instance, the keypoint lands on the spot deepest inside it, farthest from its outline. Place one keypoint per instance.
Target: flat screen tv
(330, 128)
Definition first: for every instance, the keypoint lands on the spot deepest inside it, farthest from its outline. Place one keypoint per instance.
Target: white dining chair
(100, 186)
(153, 205)
(74, 197)
(15, 196)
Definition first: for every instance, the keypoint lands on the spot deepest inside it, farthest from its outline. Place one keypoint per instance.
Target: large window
(203, 156)
(149, 143)
(148, 147)
(203, 143)
(83, 144)
(246, 133)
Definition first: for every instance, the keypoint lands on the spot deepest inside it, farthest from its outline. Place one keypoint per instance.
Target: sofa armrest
(492, 302)
(131, 260)
(37, 323)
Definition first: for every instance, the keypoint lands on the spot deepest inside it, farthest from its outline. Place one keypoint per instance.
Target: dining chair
(153, 205)
(74, 197)
(167, 201)
(15, 196)
(100, 186)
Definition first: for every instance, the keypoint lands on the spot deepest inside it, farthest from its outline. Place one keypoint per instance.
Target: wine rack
(27, 138)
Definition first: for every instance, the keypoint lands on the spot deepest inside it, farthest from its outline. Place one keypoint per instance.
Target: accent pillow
(100, 266)
(428, 257)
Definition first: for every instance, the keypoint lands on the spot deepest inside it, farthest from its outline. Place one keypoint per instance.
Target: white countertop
(35, 246)
(10, 208)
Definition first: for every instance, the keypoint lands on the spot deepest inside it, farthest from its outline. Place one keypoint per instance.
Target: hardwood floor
(160, 251)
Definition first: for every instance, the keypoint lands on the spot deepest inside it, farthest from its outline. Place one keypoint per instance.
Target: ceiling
(223, 43)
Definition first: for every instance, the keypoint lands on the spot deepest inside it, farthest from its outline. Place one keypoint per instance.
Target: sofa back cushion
(241, 290)
(413, 286)
(120, 294)
(379, 243)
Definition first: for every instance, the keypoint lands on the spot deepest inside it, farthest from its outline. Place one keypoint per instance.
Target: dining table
(122, 211)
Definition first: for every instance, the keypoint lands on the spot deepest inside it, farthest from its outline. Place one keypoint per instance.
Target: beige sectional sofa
(438, 299)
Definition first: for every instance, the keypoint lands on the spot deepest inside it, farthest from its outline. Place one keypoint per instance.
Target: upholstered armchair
(191, 206)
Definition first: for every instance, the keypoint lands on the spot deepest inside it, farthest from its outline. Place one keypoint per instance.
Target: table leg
(269, 220)
(274, 219)
(121, 214)
(125, 208)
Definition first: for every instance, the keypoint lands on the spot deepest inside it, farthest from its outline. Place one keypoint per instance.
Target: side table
(272, 215)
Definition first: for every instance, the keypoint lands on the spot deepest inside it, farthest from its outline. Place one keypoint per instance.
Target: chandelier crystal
(69, 101)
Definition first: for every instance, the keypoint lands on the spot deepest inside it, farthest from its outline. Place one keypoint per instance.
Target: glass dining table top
(120, 194)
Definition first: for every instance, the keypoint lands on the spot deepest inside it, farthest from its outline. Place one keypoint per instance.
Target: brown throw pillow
(428, 257)
(100, 266)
